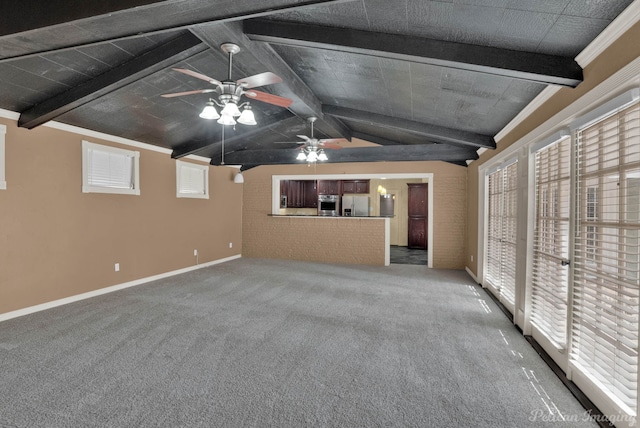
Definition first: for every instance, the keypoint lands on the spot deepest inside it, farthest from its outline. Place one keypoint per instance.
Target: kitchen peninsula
(330, 239)
(310, 224)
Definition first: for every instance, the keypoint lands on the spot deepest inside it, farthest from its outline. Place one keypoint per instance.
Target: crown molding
(534, 105)
(8, 114)
(628, 18)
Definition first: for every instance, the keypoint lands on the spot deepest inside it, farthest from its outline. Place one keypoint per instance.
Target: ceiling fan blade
(262, 79)
(198, 76)
(333, 140)
(288, 142)
(179, 94)
(304, 137)
(331, 146)
(269, 98)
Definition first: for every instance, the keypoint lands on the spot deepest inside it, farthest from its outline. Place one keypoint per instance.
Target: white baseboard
(89, 294)
(472, 275)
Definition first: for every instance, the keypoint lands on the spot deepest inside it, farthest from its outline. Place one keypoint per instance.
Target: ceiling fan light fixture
(301, 156)
(312, 156)
(230, 109)
(226, 120)
(209, 112)
(247, 117)
(322, 156)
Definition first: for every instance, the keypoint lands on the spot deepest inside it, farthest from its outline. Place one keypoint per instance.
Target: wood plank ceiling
(414, 79)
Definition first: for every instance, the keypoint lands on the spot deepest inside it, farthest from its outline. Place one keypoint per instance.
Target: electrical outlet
(195, 252)
(472, 258)
(117, 267)
(230, 244)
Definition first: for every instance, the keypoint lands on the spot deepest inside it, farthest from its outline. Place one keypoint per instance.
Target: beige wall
(261, 240)
(56, 241)
(619, 54)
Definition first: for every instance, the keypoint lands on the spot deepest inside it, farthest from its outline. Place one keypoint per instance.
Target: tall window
(501, 232)
(606, 284)
(550, 277)
(107, 169)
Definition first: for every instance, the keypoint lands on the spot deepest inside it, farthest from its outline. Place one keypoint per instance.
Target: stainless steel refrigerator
(355, 205)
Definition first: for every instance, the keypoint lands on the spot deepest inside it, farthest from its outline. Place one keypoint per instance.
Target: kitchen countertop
(325, 216)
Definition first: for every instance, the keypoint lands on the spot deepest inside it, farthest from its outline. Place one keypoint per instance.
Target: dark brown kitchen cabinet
(296, 194)
(328, 187)
(417, 207)
(355, 186)
(299, 193)
(310, 194)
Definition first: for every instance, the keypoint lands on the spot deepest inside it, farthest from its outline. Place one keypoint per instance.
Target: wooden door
(417, 208)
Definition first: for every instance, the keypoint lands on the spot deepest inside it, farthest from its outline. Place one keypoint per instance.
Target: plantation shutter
(501, 232)
(509, 219)
(607, 256)
(550, 278)
(494, 234)
(109, 169)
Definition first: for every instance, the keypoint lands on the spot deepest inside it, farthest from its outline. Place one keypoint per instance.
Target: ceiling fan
(312, 149)
(229, 92)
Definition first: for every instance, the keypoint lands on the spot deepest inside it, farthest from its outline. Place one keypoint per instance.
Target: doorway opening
(407, 256)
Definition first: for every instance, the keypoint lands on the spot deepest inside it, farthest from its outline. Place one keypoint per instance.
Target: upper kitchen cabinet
(355, 186)
(328, 187)
(299, 193)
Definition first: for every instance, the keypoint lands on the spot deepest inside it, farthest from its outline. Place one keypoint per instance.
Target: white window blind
(607, 256)
(501, 232)
(109, 170)
(192, 180)
(494, 230)
(550, 279)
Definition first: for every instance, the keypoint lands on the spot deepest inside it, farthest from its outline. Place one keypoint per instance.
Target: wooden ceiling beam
(400, 153)
(159, 58)
(20, 17)
(530, 66)
(435, 133)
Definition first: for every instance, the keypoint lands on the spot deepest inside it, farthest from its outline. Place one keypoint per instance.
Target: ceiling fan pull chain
(222, 160)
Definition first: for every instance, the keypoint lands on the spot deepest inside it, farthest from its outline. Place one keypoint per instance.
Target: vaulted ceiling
(401, 80)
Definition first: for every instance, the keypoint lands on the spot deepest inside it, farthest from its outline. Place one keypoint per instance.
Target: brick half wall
(321, 239)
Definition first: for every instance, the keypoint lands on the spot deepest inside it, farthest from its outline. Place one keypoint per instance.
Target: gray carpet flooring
(272, 343)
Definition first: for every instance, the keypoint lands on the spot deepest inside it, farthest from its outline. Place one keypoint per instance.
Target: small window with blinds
(606, 286)
(107, 169)
(192, 180)
(501, 233)
(550, 279)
